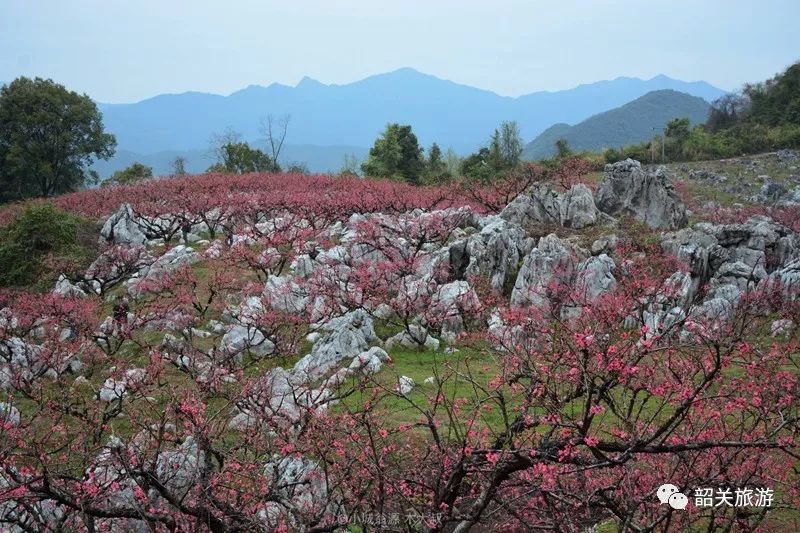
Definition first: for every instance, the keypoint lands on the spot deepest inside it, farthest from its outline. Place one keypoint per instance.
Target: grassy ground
(458, 374)
(744, 177)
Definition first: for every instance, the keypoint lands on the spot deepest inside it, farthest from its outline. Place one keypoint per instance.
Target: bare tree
(351, 165)
(179, 166)
(274, 130)
(217, 142)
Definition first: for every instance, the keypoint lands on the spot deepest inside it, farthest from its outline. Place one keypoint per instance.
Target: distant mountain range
(315, 158)
(634, 122)
(350, 116)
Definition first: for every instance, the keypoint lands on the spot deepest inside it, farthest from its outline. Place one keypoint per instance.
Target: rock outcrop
(737, 254)
(245, 338)
(9, 415)
(552, 261)
(595, 276)
(629, 191)
(122, 228)
(173, 259)
(414, 338)
(493, 252)
(343, 337)
(542, 205)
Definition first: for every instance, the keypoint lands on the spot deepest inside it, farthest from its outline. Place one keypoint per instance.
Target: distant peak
(405, 70)
(308, 82)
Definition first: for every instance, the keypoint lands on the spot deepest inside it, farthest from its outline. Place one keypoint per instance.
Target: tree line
(50, 136)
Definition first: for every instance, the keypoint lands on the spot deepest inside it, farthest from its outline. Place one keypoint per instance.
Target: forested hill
(634, 122)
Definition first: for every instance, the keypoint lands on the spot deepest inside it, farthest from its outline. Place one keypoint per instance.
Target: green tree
(502, 154)
(395, 154)
(479, 166)
(726, 112)
(240, 158)
(777, 100)
(563, 150)
(132, 174)
(678, 129)
(436, 170)
(48, 137)
(452, 162)
(511, 144)
(676, 133)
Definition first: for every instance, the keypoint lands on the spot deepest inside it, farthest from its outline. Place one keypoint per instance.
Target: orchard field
(277, 352)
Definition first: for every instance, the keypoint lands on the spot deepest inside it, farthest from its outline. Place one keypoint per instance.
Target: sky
(128, 50)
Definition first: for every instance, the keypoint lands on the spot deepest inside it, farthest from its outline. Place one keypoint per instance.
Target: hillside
(327, 340)
(452, 114)
(634, 122)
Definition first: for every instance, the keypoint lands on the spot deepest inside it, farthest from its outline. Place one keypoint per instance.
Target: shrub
(39, 241)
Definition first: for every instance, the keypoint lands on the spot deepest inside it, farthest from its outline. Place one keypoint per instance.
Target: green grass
(460, 375)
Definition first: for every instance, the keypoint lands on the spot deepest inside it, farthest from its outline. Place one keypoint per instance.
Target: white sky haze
(124, 51)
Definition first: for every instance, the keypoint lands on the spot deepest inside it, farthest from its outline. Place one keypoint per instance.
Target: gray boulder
(577, 208)
(9, 415)
(115, 389)
(551, 261)
(649, 197)
(405, 385)
(295, 485)
(450, 301)
(66, 289)
(710, 250)
(173, 259)
(595, 276)
(244, 338)
(369, 362)
(284, 294)
(719, 306)
(414, 338)
(789, 279)
(493, 252)
(178, 470)
(771, 192)
(604, 245)
(542, 205)
(122, 228)
(343, 337)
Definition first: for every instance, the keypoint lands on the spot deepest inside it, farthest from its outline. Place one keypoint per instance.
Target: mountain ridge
(453, 115)
(306, 79)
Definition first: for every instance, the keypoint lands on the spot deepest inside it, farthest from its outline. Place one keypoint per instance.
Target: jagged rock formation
(175, 258)
(345, 337)
(494, 252)
(542, 205)
(122, 228)
(724, 262)
(241, 338)
(595, 276)
(9, 415)
(728, 259)
(737, 254)
(649, 197)
(552, 261)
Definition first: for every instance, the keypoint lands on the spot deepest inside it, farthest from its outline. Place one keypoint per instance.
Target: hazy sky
(127, 50)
